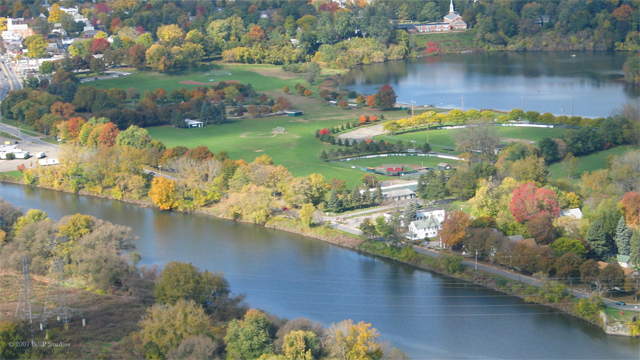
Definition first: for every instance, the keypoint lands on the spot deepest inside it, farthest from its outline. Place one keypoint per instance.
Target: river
(426, 315)
(587, 84)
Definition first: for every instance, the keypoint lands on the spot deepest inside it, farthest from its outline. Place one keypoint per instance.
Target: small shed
(444, 166)
(193, 123)
(293, 113)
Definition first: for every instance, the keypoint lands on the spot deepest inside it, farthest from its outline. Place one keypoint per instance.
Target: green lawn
(443, 139)
(595, 161)
(447, 42)
(248, 74)
(395, 160)
(14, 175)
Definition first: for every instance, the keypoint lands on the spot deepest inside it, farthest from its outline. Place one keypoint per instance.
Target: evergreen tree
(635, 249)
(623, 237)
(597, 239)
(378, 197)
(410, 211)
(433, 186)
(356, 198)
(335, 203)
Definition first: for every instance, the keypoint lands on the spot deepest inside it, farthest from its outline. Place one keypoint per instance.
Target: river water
(587, 84)
(426, 315)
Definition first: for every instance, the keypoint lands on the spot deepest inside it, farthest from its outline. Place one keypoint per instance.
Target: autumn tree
(68, 130)
(163, 193)
(62, 109)
(36, 46)
(170, 35)
(165, 326)
(528, 201)
(385, 97)
(134, 136)
(349, 341)
(454, 228)
(306, 214)
(301, 345)
(630, 205)
(55, 14)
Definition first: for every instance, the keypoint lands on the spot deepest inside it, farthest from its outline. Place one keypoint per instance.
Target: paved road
(523, 278)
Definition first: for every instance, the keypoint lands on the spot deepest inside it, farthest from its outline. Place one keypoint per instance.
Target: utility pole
(476, 260)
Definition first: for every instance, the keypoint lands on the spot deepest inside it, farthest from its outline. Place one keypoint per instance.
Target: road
(522, 278)
(33, 144)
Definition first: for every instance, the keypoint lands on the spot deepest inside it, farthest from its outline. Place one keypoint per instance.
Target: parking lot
(28, 143)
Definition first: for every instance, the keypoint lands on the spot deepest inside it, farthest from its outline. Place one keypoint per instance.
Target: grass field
(445, 139)
(447, 42)
(395, 160)
(595, 161)
(262, 77)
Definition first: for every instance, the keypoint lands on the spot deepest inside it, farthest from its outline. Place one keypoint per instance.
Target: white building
(574, 213)
(193, 123)
(428, 224)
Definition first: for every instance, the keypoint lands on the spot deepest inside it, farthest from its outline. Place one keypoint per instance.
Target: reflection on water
(427, 315)
(587, 84)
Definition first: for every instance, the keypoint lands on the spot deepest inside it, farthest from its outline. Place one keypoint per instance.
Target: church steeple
(451, 9)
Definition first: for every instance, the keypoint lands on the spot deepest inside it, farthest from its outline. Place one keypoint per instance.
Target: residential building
(428, 224)
(193, 123)
(575, 213)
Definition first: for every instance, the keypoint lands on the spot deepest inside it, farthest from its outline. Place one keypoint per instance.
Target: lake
(426, 315)
(583, 84)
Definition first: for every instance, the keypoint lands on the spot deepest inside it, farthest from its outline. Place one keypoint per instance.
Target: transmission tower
(56, 297)
(23, 310)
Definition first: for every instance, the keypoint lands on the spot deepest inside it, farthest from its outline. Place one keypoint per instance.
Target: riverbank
(553, 297)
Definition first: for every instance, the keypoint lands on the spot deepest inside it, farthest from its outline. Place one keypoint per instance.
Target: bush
(589, 308)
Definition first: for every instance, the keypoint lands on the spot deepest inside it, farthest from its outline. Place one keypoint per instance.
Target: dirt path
(362, 133)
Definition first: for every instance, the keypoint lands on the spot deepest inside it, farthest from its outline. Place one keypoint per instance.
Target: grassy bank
(452, 42)
(591, 162)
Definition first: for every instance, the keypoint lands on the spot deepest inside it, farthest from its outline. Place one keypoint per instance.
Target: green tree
(134, 136)
(164, 327)
(623, 237)
(11, 333)
(306, 214)
(368, 228)
(31, 217)
(385, 97)
(565, 245)
(249, 338)
(184, 281)
(433, 185)
(635, 249)
(611, 277)
(429, 12)
(597, 239)
(36, 46)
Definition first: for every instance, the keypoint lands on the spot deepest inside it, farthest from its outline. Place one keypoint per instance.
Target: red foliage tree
(73, 126)
(373, 118)
(108, 134)
(623, 13)
(386, 97)
(98, 46)
(200, 153)
(371, 100)
(256, 33)
(528, 201)
(363, 119)
(630, 205)
(432, 48)
(324, 131)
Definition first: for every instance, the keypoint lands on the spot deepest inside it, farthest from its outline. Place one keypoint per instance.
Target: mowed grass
(298, 149)
(591, 162)
(396, 161)
(447, 42)
(247, 74)
(440, 140)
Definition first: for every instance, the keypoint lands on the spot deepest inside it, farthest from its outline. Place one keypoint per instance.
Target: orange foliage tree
(108, 134)
(162, 193)
(363, 119)
(630, 205)
(69, 130)
(529, 201)
(62, 109)
(454, 228)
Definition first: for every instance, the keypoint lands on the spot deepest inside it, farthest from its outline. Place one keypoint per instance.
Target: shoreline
(420, 261)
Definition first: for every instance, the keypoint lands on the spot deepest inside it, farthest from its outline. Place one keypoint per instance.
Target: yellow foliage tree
(349, 341)
(162, 193)
(55, 14)
(306, 214)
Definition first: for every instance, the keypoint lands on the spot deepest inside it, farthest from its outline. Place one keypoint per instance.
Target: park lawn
(395, 160)
(447, 42)
(591, 162)
(445, 139)
(298, 149)
(13, 175)
(253, 74)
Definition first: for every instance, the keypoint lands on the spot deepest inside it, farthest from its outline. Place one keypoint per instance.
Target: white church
(450, 22)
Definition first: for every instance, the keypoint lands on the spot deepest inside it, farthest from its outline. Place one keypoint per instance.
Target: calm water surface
(587, 84)
(426, 315)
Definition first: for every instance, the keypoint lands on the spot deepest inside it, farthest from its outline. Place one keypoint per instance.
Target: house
(397, 195)
(193, 123)
(438, 214)
(425, 228)
(574, 213)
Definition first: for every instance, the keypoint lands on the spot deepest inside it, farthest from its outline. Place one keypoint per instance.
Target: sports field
(595, 161)
(396, 160)
(441, 140)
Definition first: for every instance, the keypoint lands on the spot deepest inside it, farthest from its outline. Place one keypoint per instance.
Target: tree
(349, 341)
(630, 205)
(462, 184)
(99, 45)
(301, 345)
(540, 227)
(635, 249)
(385, 97)
(108, 134)
(528, 201)
(590, 272)
(429, 12)
(250, 337)
(181, 281)
(134, 136)
(163, 193)
(565, 245)
(36, 46)
(306, 214)
(170, 35)
(597, 239)
(568, 266)
(55, 14)
(11, 335)
(368, 228)
(433, 185)
(623, 238)
(164, 327)
(531, 168)
(611, 277)
(454, 228)
(482, 140)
